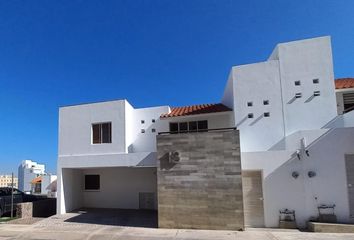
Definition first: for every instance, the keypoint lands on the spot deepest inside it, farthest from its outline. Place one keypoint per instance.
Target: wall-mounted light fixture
(311, 174)
(298, 154)
(307, 153)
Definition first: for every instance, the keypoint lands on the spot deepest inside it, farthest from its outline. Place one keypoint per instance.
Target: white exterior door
(253, 198)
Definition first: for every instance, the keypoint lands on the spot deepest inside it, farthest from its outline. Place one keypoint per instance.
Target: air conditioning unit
(173, 157)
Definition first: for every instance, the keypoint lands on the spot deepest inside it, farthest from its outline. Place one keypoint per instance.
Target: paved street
(57, 227)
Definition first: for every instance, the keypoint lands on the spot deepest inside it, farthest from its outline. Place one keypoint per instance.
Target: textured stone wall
(204, 189)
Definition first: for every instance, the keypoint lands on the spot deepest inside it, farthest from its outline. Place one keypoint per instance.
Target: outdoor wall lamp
(295, 174)
(311, 174)
(307, 153)
(298, 154)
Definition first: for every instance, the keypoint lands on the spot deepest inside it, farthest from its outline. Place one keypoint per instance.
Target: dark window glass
(250, 115)
(265, 102)
(249, 104)
(183, 127)
(297, 83)
(153, 130)
(102, 133)
(202, 125)
(316, 81)
(106, 133)
(266, 114)
(173, 127)
(96, 133)
(193, 126)
(92, 182)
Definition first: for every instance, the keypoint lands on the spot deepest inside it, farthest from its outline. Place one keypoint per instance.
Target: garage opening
(122, 196)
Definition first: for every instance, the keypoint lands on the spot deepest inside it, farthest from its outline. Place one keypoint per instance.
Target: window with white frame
(102, 133)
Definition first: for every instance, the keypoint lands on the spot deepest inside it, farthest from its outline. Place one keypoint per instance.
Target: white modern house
(27, 171)
(296, 146)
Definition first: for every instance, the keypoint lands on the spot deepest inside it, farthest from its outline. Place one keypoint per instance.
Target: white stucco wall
(274, 80)
(75, 128)
(256, 83)
(120, 187)
(304, 61)
(304, 194)
(144, 142)
(69, 190)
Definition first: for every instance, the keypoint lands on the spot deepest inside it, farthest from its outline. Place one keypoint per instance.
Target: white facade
(27, 171)
(131, 157)
(285, 109)
(277, 145)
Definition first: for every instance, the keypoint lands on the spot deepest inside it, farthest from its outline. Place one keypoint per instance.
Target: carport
(110, 194)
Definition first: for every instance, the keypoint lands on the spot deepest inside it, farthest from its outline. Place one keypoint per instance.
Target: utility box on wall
(199, 180)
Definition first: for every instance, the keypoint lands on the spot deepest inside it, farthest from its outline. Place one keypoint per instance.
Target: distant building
(6, 181)
(27, 171)
(43, 185)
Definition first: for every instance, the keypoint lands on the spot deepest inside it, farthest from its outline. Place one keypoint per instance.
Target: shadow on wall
(116, 217)
(295, 185)
(165, 163)
(44, 208)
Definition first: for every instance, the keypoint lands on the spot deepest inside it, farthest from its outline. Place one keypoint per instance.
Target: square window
(142, 130)
(266, 114)
(250, 115)
(153, 120)
(265, 102)
(192, 126)
(183, 127)
(173, 127)
(102, 133)
(153, 130)
(92, 182)
(316, 93)
(316, 81)
(297, 83)
(249, 104)
(298, 95)
(202, 125)
(142, 121)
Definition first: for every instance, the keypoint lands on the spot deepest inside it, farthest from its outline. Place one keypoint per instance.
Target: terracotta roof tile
(342, 83)
(36, 180)
(196, 109)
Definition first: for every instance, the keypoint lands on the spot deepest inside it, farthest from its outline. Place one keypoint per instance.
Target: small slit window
(249, 104)
(153, 120)
(142, 130)
(153, 130)
(297, 83)
(266, 114)
(316, 81)
(250, 115)
(298, 95)
(316, 93)
(142, 121)
(265, 102)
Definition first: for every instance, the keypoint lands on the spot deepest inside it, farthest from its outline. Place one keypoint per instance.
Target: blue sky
(160, 52)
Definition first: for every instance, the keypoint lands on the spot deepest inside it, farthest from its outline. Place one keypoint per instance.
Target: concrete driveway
(63, 227)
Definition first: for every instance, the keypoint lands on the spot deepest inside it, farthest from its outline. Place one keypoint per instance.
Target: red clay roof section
(342, 83)
(196, 109)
